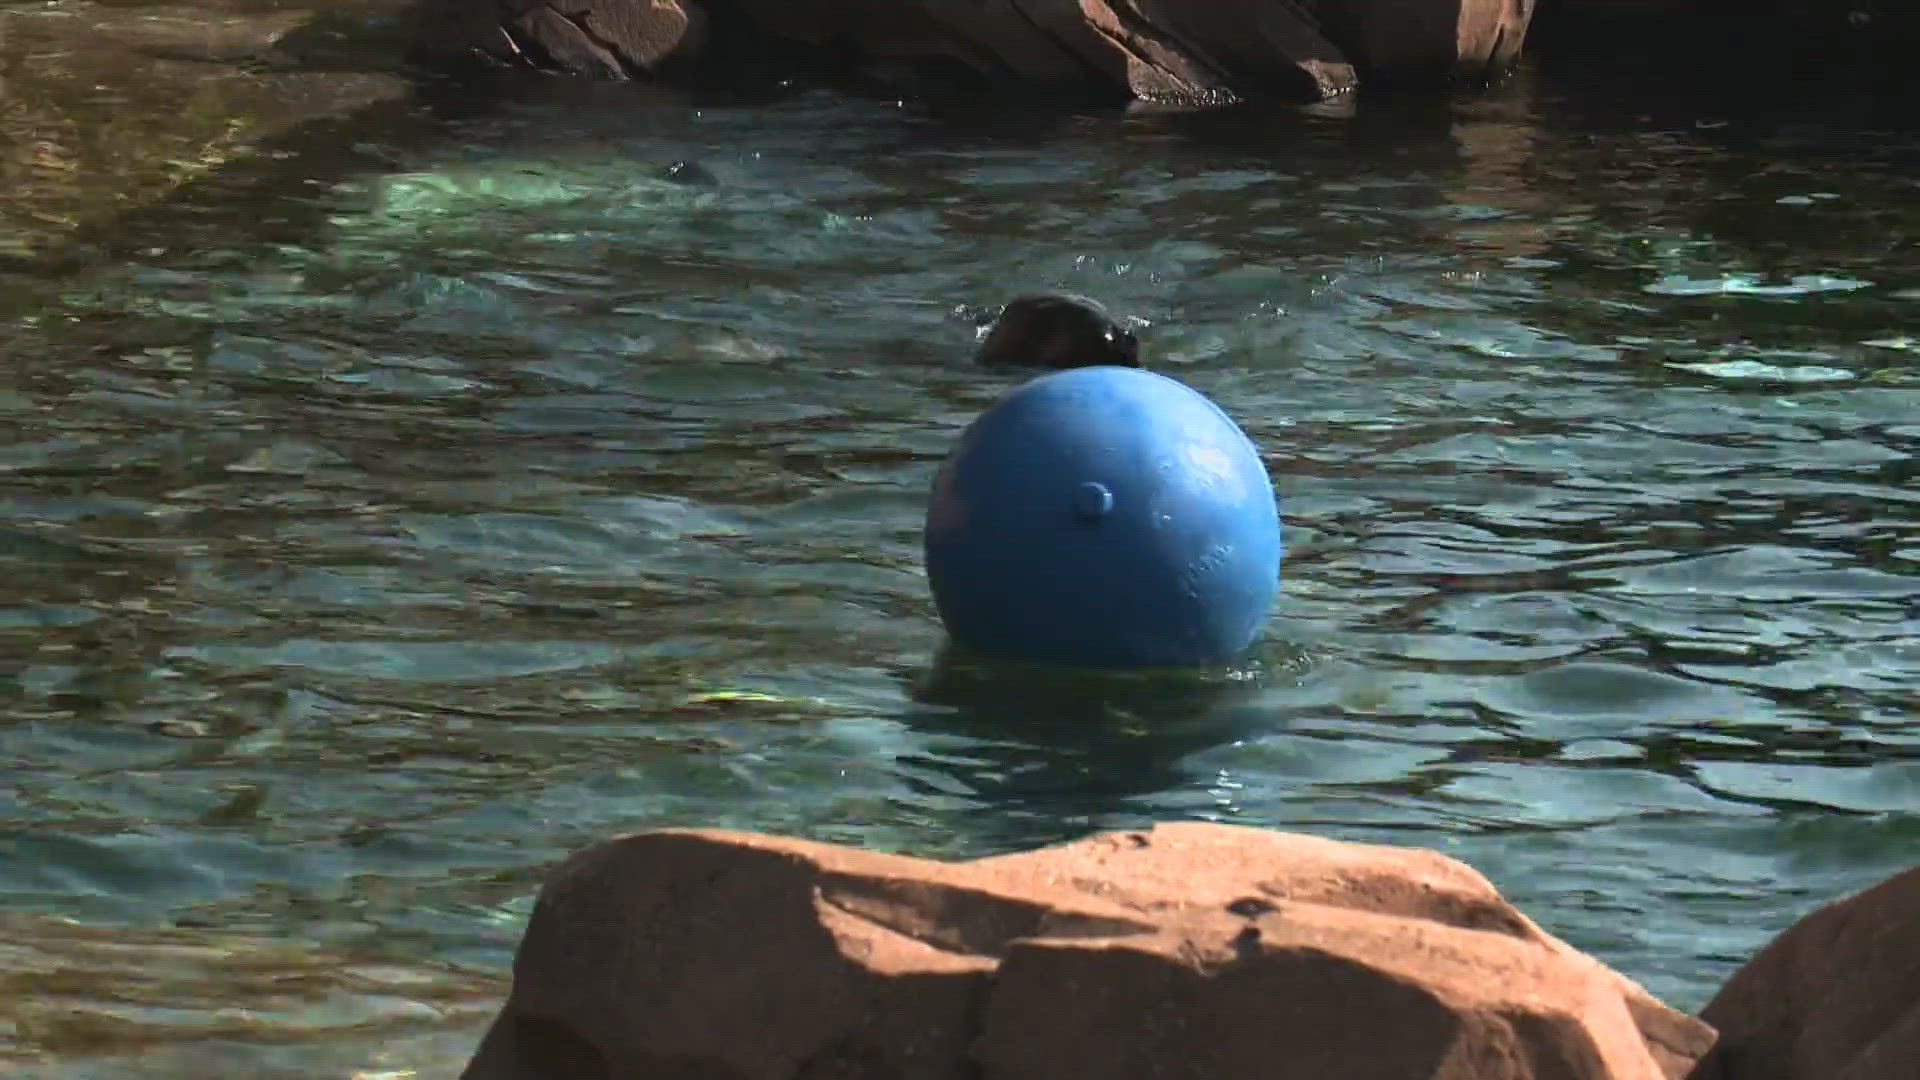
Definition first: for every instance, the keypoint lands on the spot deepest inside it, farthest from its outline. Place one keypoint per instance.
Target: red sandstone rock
(602, 39)
(1415, 39)
(1834, 997)
(1268, 46)
(1010, 35)
(1191, 50)
(543, 31)
(1195, 951)
(1156, 67)
(648, 35)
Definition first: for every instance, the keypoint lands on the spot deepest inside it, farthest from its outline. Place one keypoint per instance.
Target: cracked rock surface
(1193, 950)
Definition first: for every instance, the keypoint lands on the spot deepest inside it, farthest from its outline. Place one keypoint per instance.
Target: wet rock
(1227, 49)
(1834, 997)
(1420, 41)
(1055, 331)
(1198, 51)
(1192, 950)
(545, 33)
(973, 32)
(604, 39)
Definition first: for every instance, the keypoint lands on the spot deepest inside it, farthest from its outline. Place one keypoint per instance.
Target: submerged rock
(1192, 950)
(1834, 997)
(107, 109)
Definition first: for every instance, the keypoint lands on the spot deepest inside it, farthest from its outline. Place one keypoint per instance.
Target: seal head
(1054, 331)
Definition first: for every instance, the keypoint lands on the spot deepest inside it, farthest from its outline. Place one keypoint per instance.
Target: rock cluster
(1188, 951)
(1188, 51)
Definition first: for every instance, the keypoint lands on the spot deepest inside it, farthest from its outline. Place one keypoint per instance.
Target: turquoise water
(379, 526)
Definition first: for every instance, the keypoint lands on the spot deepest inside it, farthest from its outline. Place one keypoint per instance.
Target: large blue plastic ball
(1104, 517)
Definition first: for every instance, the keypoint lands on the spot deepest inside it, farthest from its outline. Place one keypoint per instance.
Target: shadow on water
(1052, 754)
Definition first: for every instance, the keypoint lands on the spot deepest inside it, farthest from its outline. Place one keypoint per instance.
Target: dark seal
(1054, 330)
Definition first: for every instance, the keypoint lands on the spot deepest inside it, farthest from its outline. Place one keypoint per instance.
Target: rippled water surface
(383, 522)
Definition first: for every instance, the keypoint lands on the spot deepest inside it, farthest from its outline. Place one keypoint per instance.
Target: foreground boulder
(1835, 997)
(1192, 950)
(1202, 51)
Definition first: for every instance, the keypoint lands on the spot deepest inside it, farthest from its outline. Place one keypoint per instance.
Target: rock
(1195, 51)
(1156, 67)
(603, 39)
(986, 41)
(647, 35)
(1420, 41)
(1834, 997)
(1271, 48)
(1192, 950)
(545, 33)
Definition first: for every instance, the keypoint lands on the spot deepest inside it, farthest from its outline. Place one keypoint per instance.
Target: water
(384, 522)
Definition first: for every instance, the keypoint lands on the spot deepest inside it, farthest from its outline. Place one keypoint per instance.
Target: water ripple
(540, 494)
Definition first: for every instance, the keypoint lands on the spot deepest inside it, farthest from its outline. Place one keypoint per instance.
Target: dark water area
(386, 516)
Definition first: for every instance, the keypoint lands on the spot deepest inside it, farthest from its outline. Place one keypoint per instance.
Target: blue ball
(1104, 517)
